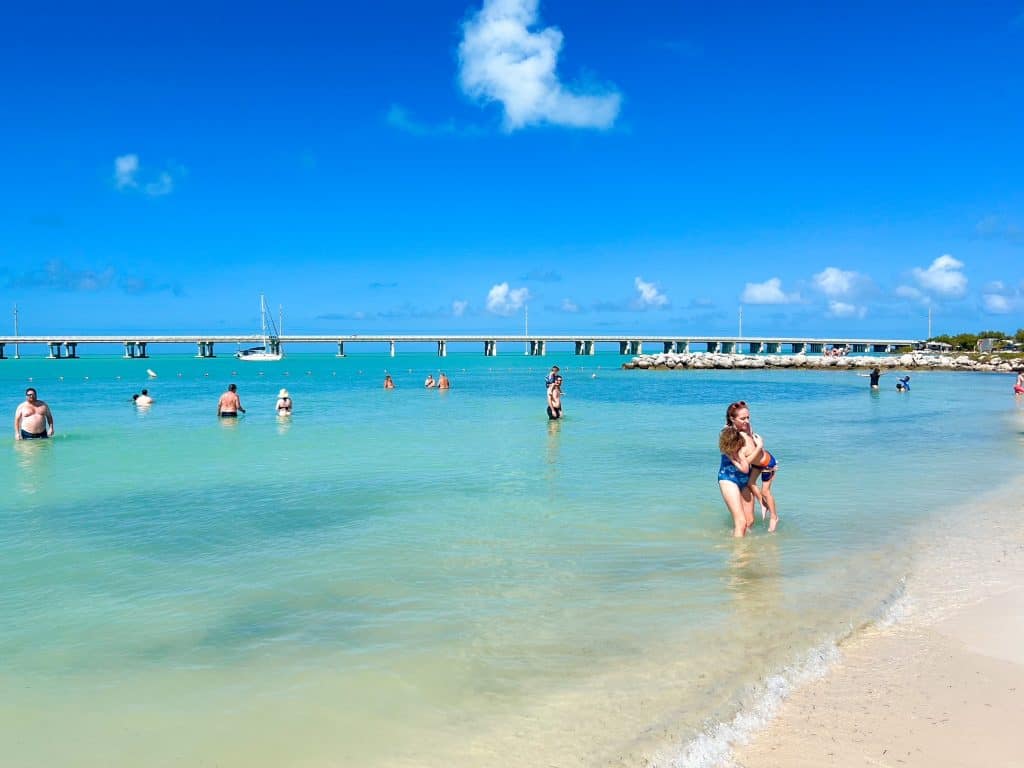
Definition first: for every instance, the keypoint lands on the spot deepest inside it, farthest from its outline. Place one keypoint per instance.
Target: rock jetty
(914, 360)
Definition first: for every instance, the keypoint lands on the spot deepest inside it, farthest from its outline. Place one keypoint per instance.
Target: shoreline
(942, 684)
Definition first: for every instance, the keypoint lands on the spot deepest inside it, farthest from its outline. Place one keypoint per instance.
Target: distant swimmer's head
(730, 441)
(283, 393)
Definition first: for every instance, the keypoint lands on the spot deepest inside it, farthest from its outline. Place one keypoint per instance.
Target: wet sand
(943, 688)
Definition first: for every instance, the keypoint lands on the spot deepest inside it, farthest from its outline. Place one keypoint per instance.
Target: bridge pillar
(774, 347)
(728, 347)
(55, 349)
(623, 347)
(275, 347)
(71, 349)
(589, 347)
(341, 349)
(670, 346)
(2, 351)
(129, 349)
(712, 346)
(860, 348)
(205, 349)
(442, 348)
(683, 345)
(755, 347)
(538, 347)
(579, 346)
(637, 347)
(490, 348)
(391, 348)
(798, 347)
(815, 348)
(142, 349)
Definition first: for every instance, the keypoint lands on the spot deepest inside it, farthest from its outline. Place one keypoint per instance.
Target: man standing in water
(33, 420)
(229, 405)
(555, 399)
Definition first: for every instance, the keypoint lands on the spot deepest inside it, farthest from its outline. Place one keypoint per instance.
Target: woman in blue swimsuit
(734, 478)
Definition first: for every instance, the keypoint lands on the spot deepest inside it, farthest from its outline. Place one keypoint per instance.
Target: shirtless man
(442, 381)
(144, 398)
(555, 399)
(33, 420)
(229, 405)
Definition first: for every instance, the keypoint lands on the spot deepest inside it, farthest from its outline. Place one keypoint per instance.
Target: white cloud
(836, 282)
(459, 307)
(502, 300)
(942, 277)
(998, 299)
(502, 60)
(842, 309)
(125, 168)
(649, 294)
(768, 292)
(569, 306)
(996, 303)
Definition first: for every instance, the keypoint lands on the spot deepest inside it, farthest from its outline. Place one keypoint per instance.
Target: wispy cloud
(459, 307)
(649, 295)
(943, 277)
(399, 117)
(58, 276)
(568, 305)
(138, 286)
(502, 300)
(163, 185)
(376, 285)
(502, 60)
(543, 276)
(768, 292)
(127, 170)
(995, 228)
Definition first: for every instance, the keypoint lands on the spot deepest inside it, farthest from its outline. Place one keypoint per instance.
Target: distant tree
(1019, 336)
(991, 335)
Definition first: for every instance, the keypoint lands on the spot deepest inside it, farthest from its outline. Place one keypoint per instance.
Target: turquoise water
(416, 577)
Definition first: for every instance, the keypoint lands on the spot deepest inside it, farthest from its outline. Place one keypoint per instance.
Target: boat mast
(263, 318)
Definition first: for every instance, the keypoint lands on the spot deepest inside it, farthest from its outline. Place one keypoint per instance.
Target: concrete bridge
(65, 346)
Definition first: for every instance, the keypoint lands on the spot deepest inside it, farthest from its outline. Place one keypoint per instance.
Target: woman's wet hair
(731, 411)
(730, 441)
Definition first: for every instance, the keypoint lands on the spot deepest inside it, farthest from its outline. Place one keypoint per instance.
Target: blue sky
(438, 167)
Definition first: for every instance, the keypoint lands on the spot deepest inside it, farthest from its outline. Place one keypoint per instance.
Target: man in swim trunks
(32, 419)
(229, 405)
(555, 399)
(443, 382)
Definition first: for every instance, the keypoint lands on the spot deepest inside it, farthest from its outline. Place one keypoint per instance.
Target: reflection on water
(284, 423)
(34, 463)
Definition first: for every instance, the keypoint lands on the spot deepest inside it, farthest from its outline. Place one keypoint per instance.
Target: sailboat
(270, 349)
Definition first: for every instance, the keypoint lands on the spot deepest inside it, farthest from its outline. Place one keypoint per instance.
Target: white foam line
(713, 748)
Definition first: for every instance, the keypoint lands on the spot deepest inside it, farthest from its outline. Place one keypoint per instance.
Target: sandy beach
(941, 686)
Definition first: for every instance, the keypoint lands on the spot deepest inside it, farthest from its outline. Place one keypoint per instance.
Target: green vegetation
(968, 342)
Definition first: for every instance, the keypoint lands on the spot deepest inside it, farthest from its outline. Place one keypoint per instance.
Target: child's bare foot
(773, 523)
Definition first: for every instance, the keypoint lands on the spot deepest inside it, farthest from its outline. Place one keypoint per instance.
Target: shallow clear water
(443, 578)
